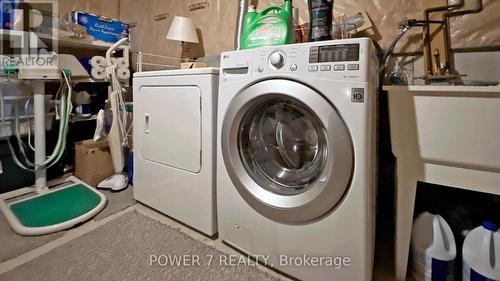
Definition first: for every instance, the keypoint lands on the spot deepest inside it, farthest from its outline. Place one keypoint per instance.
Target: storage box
(187, 65)
(7, 14)
(100, 27)
(93, 161)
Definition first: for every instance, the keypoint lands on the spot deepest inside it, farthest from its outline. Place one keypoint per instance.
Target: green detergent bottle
(272, 26)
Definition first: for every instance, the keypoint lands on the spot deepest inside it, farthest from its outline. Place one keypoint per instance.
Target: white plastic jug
(433, 248)
(481, 254)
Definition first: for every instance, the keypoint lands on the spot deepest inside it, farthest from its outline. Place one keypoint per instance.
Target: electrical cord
(2, 120)
(65, 108)
(67, 115)
(2, 105)
(118, 90)
(29, 125)
(11, 148)
(21, 145)
(56, 97)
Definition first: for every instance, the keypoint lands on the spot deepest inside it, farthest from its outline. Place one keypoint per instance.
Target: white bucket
(481, 254)
(433, 248)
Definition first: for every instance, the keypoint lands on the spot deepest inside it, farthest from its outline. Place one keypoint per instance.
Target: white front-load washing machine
(296, 176)
(174, 144)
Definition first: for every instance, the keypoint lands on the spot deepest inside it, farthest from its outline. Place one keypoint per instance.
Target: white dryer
(174, 144)
(296, 156)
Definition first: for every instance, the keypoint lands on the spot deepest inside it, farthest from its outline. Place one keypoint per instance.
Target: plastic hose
(65, 108)
(11, 148)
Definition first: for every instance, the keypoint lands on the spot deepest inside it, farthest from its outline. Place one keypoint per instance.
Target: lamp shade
(182, 29)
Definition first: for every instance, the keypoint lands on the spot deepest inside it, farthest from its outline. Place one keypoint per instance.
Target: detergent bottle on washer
(272, 26)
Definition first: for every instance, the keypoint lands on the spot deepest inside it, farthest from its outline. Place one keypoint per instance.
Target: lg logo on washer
(358, 95)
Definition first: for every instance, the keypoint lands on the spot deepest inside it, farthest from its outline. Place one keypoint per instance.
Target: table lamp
(182, 29)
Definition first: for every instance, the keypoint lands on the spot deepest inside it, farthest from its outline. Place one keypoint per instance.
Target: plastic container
(345, 25)
(130, 160)
(433, 249)
(272, 26)
(7, 14)
(321, 16)
(481, 254)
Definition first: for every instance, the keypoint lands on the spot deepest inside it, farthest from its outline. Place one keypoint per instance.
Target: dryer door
(287, 151)
(169, 126)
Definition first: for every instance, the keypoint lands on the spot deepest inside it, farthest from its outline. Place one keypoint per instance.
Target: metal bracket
(199, 5)
(160, 17)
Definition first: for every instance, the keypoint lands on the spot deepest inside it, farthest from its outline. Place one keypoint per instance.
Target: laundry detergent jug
(481, 254)
(433, 249)
(272, 26)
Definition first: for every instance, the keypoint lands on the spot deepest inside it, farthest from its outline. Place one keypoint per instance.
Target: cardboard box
(93, 161)
(188, 65)
(100, 27)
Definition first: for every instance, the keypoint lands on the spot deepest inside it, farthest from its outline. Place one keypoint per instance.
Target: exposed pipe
(242, 10)
(477, 9)
(451, 11)
(406, 24)
(391, 47)
(427, 35)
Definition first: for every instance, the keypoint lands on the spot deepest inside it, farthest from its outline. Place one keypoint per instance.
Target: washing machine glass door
(287, 150)
(282, 145)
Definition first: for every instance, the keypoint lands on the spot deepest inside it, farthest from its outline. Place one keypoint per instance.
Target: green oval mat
(56, 207)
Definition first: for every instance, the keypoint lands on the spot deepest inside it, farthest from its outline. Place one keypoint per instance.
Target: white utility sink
(446, 135)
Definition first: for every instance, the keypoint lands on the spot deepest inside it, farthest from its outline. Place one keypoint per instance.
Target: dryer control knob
(277, 59)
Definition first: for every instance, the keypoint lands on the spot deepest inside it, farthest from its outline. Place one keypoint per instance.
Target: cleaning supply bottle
(321, 16)
(481, 254)
(272, 26)
(433, 249)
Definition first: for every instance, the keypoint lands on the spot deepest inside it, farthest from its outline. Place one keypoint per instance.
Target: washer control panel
(277, 59)
(334, 57)
(349, 59)
(320, 57)
(334, 53)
